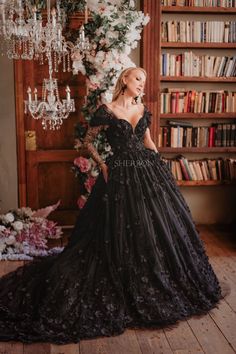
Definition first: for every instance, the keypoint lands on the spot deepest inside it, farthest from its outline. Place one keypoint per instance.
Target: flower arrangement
(87, 170)
(113, 30)
(24, 233)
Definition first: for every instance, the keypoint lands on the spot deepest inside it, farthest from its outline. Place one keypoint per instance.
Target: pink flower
(83, 163)
(81, 201)
(89, 183)
(92, 86)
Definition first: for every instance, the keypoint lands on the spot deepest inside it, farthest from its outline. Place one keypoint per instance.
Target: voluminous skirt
(134, 259)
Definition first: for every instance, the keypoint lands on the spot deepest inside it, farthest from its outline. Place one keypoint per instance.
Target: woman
(134, 258)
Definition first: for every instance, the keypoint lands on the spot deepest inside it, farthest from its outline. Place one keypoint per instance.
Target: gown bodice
(120, 133)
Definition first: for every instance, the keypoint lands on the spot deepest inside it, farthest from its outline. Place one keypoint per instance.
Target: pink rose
(81, 201)
(83, 163)
(89, 183)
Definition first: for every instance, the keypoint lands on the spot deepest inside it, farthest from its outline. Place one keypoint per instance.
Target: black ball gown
(134, 258)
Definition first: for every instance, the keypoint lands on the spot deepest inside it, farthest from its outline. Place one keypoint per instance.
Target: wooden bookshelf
(198, 9)
(199, 45)
(230, 115)
(205, 183)
(197, 79)
(151, 49)
(204, 150)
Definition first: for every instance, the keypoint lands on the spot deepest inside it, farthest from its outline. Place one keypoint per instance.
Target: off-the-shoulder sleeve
(100, 117)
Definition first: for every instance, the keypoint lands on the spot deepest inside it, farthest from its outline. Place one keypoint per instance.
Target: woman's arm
(91, 134)
(148, 141)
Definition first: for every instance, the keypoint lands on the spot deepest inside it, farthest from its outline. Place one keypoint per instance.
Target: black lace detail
(134, 258)
(100, 117)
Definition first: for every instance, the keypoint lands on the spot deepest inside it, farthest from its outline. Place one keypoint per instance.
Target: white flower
(18, 246)
(132, 36)
(2, 228)
(99, 31)
(121, 20)
(126, 61)
(126, 50)
(115, 2)
(10, 250)
(10, 240)
(94, 172)
(18, 225)
(107, 11)
(100, 57)
(106, 97)
(146, 20)
(2, 247)
(107, 147)
(24, 211)
(78, 66)
(92, 5)
(9, 217)
(111, 35)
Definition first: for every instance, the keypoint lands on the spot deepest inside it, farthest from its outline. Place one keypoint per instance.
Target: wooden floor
(213, 333)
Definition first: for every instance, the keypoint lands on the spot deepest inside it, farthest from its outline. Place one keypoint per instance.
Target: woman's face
(135, 82)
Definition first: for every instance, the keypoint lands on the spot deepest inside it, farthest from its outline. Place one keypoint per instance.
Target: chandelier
(27, 37)
(50, 109)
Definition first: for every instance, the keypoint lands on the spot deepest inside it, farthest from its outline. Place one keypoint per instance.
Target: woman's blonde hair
(120, 84)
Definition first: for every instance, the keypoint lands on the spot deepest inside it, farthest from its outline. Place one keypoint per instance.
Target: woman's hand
(148, 143)
(104, 169)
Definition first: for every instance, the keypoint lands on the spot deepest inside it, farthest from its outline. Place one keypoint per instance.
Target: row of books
(198, 31)
(191, 64)
(184, 134)
(201, 3)
(206, 169)
(177, 100)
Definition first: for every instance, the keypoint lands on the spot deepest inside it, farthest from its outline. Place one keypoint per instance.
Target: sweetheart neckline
(117, 118)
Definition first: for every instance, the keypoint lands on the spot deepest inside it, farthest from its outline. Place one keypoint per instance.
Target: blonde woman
(134, 258)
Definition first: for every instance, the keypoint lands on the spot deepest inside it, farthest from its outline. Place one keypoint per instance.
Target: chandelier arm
(48, 11)
(86, 13)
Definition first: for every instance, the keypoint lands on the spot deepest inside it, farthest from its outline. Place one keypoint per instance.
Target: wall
(8, 156)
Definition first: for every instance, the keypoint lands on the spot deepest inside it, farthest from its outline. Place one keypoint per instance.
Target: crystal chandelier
(17, 29)
(26, 37)
(50, 109)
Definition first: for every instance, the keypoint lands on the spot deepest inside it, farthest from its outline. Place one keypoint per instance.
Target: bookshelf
(152, 48)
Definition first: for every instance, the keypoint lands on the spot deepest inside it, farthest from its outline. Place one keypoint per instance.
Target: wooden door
(44, 170)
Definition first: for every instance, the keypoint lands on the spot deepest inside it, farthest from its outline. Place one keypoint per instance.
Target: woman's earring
(123, 89)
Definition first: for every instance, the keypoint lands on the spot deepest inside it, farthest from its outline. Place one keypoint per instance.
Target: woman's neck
(124, 101)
